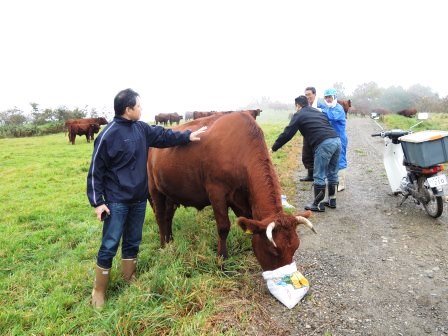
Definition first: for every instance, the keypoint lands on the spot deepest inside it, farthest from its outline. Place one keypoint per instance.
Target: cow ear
(250, 225)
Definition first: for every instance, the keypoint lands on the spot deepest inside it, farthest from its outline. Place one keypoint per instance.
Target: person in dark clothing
(307, 151)
(326, 146)
(117, 184)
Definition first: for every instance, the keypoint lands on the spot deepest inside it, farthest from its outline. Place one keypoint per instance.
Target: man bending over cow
(325, 144)
(117, 184)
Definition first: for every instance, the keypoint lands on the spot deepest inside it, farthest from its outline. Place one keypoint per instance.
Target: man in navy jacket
(117, 184)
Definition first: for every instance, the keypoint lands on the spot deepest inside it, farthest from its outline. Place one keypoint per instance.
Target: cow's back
(220, 158)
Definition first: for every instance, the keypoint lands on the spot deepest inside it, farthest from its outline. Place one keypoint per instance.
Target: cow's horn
(269, 230)
(305, 221)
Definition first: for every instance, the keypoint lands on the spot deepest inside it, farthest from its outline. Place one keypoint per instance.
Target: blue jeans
(125, 221)
(326, 161)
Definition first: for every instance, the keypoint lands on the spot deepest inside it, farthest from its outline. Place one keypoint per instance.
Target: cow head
(102, 121)
(275, 240)
(95, 128)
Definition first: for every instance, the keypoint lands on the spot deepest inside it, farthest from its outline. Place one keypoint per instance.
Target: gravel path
(374, 268)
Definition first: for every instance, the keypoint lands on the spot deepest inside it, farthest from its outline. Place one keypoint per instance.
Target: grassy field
(49, 239)
(436, 121)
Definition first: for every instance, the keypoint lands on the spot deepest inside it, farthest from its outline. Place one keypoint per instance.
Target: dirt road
(374, 268)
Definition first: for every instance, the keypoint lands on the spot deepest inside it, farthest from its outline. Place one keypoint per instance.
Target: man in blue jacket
(117, 184)
(336, 116)
(325, 143)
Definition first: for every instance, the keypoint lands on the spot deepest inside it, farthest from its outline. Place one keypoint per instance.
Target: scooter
(413, 165)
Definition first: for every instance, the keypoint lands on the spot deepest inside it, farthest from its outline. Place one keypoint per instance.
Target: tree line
(365, 98)
(15, 122)
(369, 97)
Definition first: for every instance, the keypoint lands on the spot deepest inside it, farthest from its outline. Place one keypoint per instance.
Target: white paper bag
(287, 284)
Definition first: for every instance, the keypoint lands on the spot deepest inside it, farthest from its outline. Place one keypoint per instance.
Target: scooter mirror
(422, 115)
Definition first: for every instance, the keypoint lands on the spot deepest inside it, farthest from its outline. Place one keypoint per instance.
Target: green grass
(49, 238)
(436, 121)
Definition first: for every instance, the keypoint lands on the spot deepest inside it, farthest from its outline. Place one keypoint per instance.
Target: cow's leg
(72, 137)
(170, 209)
(159, 204)
(220, 210)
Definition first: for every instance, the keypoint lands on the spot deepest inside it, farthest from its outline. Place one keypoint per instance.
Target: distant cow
(230, 167)
(82, 129)
(408, 112)
(99, 121)
(346, 104)
(175, 118)
(162, 118)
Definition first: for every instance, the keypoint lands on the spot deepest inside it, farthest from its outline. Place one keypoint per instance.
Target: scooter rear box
(425, 148)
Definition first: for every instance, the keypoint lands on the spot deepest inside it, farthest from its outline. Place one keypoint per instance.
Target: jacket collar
(123, 121)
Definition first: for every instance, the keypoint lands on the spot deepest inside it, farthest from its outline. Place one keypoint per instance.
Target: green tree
(14, 116)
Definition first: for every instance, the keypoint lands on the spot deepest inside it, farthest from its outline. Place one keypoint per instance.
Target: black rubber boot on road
(319, 195)
(332, 189)
(309, 177)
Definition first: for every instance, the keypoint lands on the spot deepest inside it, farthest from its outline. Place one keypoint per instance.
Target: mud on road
(374, 268)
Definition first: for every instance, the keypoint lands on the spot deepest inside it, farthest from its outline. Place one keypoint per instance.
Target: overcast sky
(213, 55)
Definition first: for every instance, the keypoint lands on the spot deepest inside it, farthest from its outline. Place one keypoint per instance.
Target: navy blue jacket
(312, 124)
(118, 168)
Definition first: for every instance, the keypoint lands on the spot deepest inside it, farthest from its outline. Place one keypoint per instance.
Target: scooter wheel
(434, 205)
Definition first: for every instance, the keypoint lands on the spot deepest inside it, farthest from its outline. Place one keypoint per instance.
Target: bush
(20, 131)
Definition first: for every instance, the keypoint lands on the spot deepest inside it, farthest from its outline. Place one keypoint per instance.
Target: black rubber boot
(332, 189)
(309, 177)
(319, 195)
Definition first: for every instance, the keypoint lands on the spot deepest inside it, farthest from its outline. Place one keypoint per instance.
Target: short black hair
(124, 98)
(311, 88)
(302, 101)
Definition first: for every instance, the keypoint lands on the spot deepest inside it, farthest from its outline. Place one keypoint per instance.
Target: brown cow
(229, 168)
(408, 112)
(162, 118)
(99, 121)
(175, 118)
(82, 129)
(346, 104)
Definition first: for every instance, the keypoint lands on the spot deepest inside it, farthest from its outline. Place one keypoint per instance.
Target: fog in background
(208, 55)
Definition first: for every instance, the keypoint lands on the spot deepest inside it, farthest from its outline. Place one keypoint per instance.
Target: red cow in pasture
(100, 121)
(346, 104)
(162, 118)
(408, 112)
(82, 129)
(230, 167)
(197, 114)
(175, 118)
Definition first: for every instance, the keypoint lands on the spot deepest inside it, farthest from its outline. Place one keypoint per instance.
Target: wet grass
(49, 239)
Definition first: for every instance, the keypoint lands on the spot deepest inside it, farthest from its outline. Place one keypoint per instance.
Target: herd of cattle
(90, 126)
